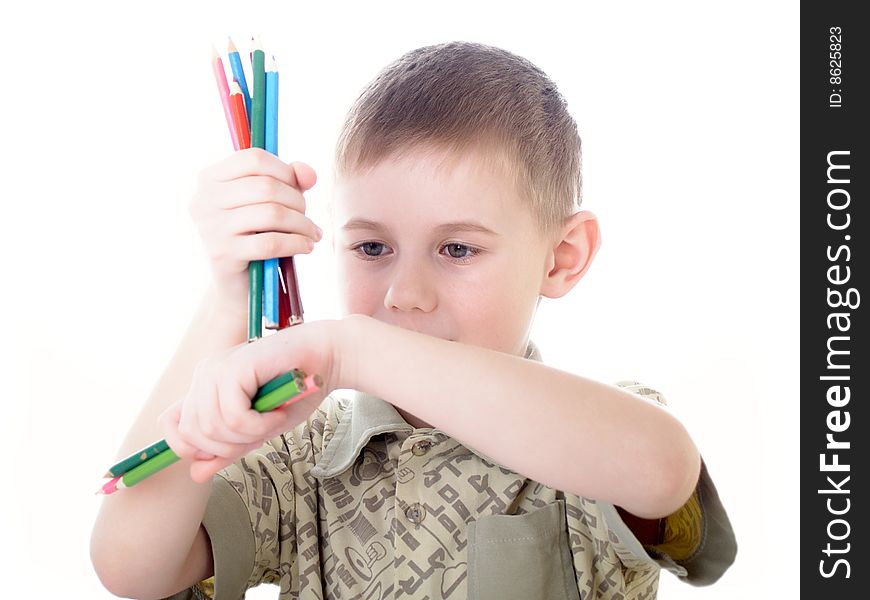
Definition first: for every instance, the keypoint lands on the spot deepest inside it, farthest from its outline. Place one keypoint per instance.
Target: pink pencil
(110, 487)
(220, 77)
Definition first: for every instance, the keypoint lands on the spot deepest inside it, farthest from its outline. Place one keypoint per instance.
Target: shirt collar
(367, 417)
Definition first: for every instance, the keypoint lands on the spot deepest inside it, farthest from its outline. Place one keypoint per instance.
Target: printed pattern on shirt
(395, 523)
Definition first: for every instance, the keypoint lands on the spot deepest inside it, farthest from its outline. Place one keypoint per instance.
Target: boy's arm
(565, 431)
(148, 540)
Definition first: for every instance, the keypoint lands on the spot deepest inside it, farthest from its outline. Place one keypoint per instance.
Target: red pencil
(240, 115)
(288, 275)
(283, 297)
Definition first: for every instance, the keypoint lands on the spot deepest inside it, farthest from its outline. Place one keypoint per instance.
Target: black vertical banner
(835, 341)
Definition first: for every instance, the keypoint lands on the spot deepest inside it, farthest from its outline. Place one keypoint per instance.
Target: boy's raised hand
(250, 207)
(214, 424)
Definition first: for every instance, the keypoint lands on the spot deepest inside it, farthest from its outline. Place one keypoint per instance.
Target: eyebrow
(443, 228)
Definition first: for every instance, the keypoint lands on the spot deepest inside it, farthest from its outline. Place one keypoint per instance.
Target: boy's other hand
(249, 207)
(214, 424)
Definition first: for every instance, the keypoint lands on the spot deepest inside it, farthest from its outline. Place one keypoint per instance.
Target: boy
(461, 466)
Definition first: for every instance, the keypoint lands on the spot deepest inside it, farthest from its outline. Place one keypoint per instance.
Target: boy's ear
(571, 255)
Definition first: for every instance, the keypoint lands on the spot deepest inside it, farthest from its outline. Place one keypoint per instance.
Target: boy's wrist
(354, 331)
(224, 321)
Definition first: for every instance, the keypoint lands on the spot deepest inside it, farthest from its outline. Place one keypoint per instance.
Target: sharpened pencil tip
(108, 474)
(231, 47)
(214, 53)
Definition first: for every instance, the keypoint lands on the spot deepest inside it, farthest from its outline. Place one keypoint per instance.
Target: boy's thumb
(202, 471)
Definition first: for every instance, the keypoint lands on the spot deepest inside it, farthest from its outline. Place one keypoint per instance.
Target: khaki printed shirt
(357, 503)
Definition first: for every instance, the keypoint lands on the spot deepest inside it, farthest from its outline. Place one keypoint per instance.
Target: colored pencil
(288, 271)
(270, 126)
(258, 132)
(142, 471)
(291, 388)
(239, 74)
(283, 297)
(293, 385)
(271, 288)
(143, 455)
(220, 77)
(240, 121)
(271, 293)
(137, 458)
(258, 98)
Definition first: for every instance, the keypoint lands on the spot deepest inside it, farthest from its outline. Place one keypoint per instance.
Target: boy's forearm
(566, 431)
(153, 525)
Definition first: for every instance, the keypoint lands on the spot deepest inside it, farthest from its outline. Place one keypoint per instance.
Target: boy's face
(407, 255)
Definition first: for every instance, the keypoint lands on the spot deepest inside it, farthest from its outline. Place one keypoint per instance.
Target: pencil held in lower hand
(280, 391)
(143, 471)
(137, 458)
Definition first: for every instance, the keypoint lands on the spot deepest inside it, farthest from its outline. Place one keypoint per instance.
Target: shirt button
(420, 448)
(415, 513)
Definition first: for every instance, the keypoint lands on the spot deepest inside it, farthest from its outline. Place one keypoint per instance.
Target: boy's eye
(459, 250)
(374, 247)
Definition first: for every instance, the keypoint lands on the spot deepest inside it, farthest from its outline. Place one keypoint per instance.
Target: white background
(689, 119)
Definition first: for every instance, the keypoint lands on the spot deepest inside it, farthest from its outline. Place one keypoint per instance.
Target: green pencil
(137, 458)
(258, 140)
(278, 395)
(147, 468)
(258, 101)
(293, 385)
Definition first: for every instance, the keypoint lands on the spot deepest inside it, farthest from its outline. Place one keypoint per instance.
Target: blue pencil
(239, 74)
(270, 271)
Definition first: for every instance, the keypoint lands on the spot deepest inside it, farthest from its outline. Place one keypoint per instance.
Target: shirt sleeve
(250, 501)
(697, 541)
(262, 507)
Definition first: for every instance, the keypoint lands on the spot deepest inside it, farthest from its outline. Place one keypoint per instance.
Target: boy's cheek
(356, 293)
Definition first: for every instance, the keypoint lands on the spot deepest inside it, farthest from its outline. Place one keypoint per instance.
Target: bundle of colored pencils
(140, 465)
(273, 290)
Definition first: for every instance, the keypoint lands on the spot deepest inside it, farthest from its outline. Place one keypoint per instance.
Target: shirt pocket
(521, 556)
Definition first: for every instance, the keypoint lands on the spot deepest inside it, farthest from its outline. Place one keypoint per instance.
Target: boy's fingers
(202, 471)
(184, 449)
(304, 176)
(181, 448)
(238, 416)
(169, 424)
(256, 161)
(270, 245)
(212, 447)
(207, 434)
(259, 218)
(243, 163)
(294, 412)
(254, 190)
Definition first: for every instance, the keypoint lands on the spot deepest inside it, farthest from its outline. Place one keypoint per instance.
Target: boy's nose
(411, 288)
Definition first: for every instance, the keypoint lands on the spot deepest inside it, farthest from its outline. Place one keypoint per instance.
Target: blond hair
(463, 97)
